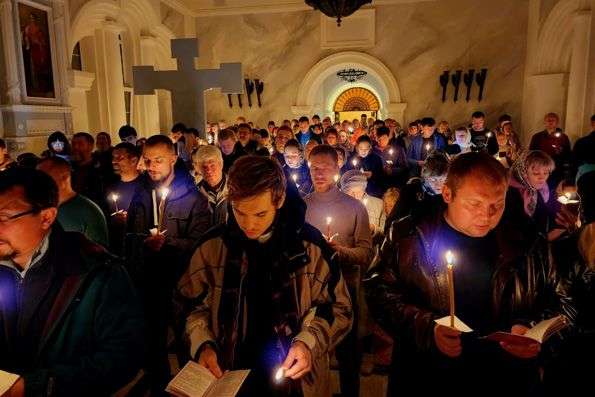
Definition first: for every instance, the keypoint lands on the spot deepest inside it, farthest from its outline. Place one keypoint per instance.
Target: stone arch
(380, 81)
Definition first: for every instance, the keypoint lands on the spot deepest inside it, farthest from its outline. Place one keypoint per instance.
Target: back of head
(252, 175)
(178, 127)
(40, 191)
(477, 164)
(86, 136)
(126, 131)
(436, 165)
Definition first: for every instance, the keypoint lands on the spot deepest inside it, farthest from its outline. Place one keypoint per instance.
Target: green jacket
(90, 344)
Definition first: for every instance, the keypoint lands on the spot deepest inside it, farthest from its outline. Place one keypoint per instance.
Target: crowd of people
(300, 247)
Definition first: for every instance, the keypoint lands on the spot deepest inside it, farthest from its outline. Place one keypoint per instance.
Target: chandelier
(351, 75)
(337, 8)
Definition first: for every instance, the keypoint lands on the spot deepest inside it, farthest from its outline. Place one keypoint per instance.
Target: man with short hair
(87, 178)
(481, 136)
(76, 213)
(394, 159)
(331, 137)
(127, 133)
(497, 283)
(556, 143)
(284, 134)
(125, 159)
(422, 145)
(305, 132)
(350, 236)
(209, 163)
(165, 219)
(69, 315)
(284, 304)
(230, 150)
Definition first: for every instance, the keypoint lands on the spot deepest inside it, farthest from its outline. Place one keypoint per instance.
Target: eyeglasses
(7, 218)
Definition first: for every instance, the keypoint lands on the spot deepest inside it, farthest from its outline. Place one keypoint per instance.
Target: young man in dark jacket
(69, 316)
(503, 282)
(179, 216)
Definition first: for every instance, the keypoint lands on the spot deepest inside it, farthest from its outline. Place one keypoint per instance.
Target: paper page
(6, 381)
(193, 380)
(538, 332)
(229, 385)
(459, 325)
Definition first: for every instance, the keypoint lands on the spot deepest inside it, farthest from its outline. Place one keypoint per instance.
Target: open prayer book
(194, 380)
(539, 333)
(7, 380)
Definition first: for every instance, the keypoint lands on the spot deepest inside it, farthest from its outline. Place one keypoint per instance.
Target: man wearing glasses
(69, 317)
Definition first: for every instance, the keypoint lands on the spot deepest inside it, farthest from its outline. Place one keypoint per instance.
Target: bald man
(76, 213)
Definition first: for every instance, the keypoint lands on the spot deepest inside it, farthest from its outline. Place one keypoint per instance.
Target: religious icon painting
(37, 55)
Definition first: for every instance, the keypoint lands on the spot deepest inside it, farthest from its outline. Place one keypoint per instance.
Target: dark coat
(409, 291)
(89, 343)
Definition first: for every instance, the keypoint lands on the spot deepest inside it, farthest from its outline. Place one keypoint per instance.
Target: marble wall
(415, 41)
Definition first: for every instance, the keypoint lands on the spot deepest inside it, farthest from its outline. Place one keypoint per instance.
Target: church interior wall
(415, 41)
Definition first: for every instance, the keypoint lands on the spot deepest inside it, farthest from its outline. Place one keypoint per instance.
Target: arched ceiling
(357, 99)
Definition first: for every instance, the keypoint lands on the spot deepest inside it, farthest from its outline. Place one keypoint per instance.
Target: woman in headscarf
(58, 145)
(462, 141)
(530, 203)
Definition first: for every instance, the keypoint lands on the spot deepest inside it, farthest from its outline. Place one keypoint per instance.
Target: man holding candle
(158, 250)
(284, 305)
(501, 284)
(353, 244)
(481, 137)
(393, 158)
(423, 144)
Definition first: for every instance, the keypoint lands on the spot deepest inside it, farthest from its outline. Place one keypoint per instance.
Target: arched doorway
(354, 102)
(321, 87)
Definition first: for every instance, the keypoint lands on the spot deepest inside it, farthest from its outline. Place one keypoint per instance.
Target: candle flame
(489, 134)
(115, 197)
(279, 374)
(328, 220)
(449, 257)
(568, 195)
(164, 192)
(336, 178)
(390, 151)
(558, 135)
(428, 146)
(354, 162)
(294, 177)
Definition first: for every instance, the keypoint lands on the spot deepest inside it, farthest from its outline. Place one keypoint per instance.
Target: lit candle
(336, 178)
(115, 200)
(210, 139)
(558, 135)
(390, 152)
(354, 162)
(428, 147)
(155, 216)
(389, 162)
(489, 134)
(329, 220)
(279, 374)
(294, 177)
(163, 192)
(350, 129)
(451, 286)
(365, 201)
(271, 150)
(309, 164)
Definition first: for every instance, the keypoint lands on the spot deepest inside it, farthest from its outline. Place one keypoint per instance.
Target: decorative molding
(78, 80)
(35, 109)
(356, 31)
(206, 8)
(44, 126)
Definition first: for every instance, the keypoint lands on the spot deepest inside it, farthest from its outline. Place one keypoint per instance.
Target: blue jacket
(414, 152)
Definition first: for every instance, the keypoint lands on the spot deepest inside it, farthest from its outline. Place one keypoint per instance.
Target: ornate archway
(356, 99)
(320, 89)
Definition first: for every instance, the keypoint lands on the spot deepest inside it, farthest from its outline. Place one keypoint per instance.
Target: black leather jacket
(408, 291)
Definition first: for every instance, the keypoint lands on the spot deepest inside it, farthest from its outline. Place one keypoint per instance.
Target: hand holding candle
(163, 192)
(114, 198)
(329, 220)
(428, 147)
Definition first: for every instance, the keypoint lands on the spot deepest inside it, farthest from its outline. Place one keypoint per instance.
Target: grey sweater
(349, 220)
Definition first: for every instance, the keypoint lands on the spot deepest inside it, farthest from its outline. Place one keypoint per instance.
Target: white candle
(354, 162)
(329, 220)
(365, 201)
(451, 287)
(155, 216)
(115, 200)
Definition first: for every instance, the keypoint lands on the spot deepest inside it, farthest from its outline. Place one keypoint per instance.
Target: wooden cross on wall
(187, 84)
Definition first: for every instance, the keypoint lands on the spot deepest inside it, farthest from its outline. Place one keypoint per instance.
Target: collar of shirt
(39, 253)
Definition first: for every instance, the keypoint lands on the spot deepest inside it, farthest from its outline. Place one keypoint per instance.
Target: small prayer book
(7, 380)
(539, 333)
(194, 380)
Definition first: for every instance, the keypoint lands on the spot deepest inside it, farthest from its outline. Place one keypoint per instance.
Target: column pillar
(108, 74)
(148, 104)
(11, 68)
(579, 69)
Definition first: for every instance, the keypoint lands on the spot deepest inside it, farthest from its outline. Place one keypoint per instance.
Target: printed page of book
(7, 380)
(193, 380)
(229, 384)
(538, 332)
